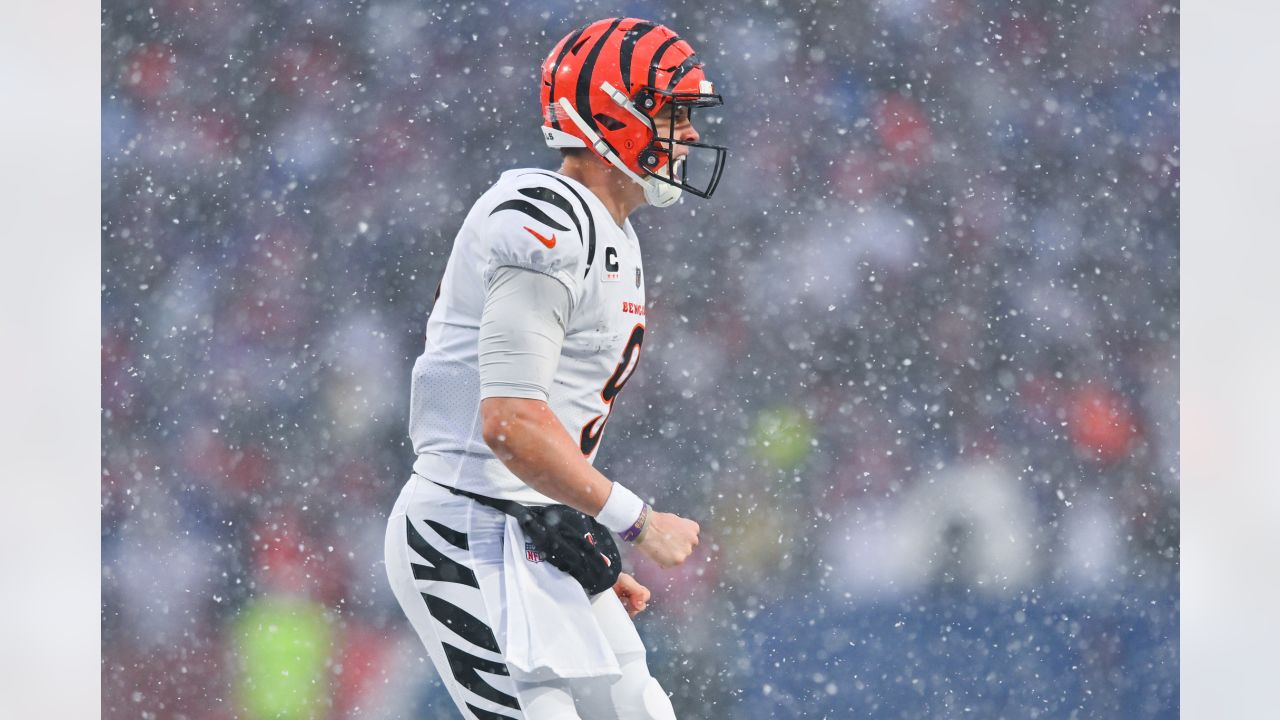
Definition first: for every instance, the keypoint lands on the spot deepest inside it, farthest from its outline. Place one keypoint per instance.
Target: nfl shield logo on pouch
(533, 554)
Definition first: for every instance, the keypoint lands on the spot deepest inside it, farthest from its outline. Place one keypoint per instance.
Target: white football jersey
(549, 223)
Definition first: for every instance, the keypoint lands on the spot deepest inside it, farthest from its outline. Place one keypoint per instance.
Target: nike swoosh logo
(551, 242)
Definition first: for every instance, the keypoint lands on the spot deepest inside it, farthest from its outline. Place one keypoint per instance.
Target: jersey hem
(444, 471)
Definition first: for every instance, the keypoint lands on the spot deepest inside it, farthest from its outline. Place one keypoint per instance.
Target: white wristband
(621, 510)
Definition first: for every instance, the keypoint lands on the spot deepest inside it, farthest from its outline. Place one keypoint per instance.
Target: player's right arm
(521, 332)
(528, 438)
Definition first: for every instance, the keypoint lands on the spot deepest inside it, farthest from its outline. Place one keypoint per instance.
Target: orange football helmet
(602, 87)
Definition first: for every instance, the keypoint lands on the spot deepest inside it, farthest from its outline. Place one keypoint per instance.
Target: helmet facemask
(699, 169)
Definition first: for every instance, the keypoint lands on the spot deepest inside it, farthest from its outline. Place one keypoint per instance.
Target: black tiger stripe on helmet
(654, 61)
(585, 81)
(685, 66)
(564, 50)
(633, 36)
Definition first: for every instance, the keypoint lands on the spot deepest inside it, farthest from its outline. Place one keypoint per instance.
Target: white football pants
(445, 561)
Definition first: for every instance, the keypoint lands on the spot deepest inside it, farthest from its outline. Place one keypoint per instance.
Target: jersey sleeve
(537, 228)
(521, 333)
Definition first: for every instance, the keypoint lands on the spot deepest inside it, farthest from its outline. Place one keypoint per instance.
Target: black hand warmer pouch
(574, 542)
(570, 540)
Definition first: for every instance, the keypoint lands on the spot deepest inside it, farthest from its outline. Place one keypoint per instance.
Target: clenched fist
(669, 539)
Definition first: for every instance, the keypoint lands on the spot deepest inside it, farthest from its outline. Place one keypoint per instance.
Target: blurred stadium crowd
(914, 367)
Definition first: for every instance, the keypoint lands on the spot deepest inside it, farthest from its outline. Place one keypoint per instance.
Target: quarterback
(500, 547)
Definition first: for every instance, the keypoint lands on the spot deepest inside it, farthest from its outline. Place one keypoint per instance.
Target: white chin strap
(656, 192)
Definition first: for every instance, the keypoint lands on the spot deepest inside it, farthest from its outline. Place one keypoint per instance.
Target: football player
(537, 326)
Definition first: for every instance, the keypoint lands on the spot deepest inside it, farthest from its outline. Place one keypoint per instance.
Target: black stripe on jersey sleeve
(531, 210)
(548, 195)
(591, 220)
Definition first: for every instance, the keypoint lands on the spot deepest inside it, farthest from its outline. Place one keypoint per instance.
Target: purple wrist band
(637, 527)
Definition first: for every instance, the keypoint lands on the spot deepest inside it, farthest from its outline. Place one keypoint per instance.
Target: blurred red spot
(1101, 423)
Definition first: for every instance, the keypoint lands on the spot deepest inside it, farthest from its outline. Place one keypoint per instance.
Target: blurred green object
(781, 437)
(282, 644)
